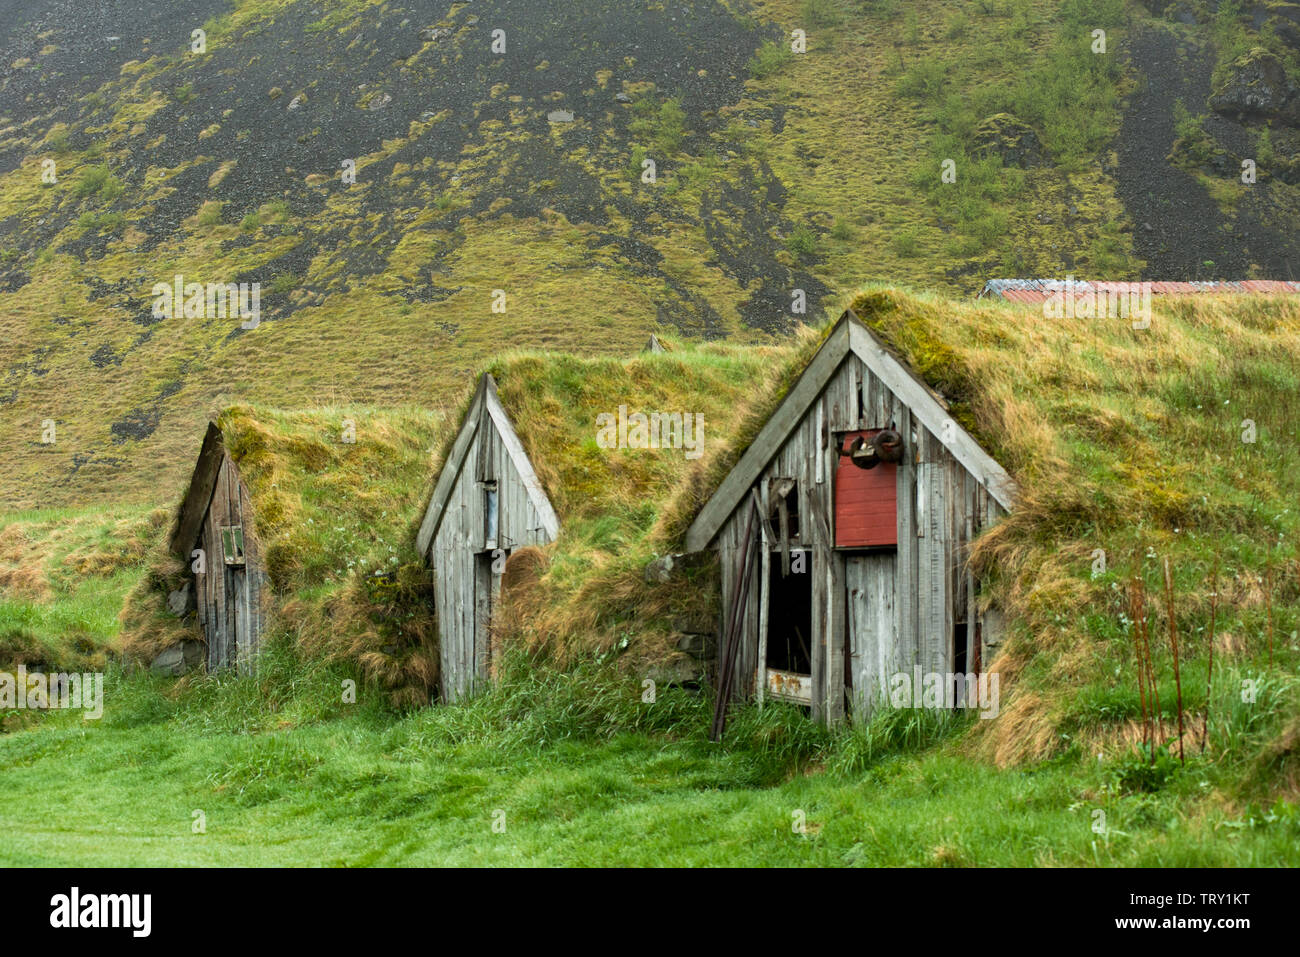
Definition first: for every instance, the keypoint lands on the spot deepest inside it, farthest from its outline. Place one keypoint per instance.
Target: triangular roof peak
(199, 495)
(848, 336)
(485, 407)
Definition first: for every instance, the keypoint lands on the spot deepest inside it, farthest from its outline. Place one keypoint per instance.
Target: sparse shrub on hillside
(1109, 251)
(911, 27)
(283, 284)
(925, 79)
(634, 168)
(768, 59)
(904, 241)
(957, 25)
(111, 222)
(277, 209)
(1147, 768)
(802, 241)
(98, 181)
(663, 126)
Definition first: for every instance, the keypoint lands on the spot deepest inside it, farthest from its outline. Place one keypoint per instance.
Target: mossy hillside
(887, 91)
(434, 209)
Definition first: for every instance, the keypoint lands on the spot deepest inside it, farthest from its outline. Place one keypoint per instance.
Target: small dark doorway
(959, 647)
(789, 621)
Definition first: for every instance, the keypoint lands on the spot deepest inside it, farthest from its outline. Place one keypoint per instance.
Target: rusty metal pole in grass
(1153, 689)
(1209, 675)
(1173, 643)
(1137, 655)
(1148, 663)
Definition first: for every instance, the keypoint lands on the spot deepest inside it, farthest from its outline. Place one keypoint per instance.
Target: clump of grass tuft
(98, 181)
(892, 731)
(768, 59)
(802, 241)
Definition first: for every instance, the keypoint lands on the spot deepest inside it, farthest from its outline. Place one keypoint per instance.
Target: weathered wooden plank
(836, 629)
(194, 508)
(905, 607)
(219, 517)
(932, 590)
(836, 638)
(515, 450)
(927, 410)
(972, 612)
(870, 582)
(451, 470)
(765, 582)
(769, 440)
(484, 593)
(853, 402)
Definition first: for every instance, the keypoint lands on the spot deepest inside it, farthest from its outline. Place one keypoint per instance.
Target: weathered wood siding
(463, 591)
(893, 610)
(229, 599)
(871, 584)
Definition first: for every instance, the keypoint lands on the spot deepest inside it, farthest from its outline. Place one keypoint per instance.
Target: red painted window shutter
(866, 501)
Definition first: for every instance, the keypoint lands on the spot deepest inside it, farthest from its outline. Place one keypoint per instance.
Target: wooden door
(487, 596)
(873, 647)
(241, 650)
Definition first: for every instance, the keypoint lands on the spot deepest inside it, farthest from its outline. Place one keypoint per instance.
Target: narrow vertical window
(490, 514)
(232, 544)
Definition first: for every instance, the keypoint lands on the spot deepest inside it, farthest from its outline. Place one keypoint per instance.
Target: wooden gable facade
(216, 538)
(487, 502)
(836, 578)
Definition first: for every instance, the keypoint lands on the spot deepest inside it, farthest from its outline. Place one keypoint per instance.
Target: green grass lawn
(427, 789)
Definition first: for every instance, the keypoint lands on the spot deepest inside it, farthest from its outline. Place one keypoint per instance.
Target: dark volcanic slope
(1178, 226)
(92, 39)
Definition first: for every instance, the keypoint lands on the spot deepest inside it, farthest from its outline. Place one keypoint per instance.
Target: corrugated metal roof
(1038, 290)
